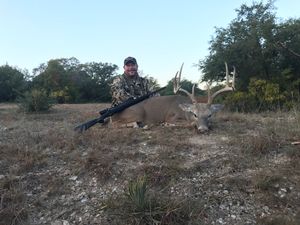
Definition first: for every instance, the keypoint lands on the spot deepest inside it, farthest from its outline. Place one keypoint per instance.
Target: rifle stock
(110, 111)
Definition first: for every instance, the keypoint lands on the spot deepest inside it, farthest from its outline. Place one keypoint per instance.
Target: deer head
(200, 113)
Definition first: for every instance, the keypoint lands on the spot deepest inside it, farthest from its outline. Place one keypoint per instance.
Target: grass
(279, 220)
(137, 194)
(19, 159)
(13, 208)
(139, 206)
(270, 182)
(247, 156)
(260, 144)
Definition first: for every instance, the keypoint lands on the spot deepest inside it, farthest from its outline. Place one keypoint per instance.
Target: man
(129, 84)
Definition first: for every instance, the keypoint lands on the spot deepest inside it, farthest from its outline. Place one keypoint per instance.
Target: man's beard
(132, 72)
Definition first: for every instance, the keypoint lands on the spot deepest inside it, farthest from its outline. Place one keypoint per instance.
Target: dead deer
(175, 109)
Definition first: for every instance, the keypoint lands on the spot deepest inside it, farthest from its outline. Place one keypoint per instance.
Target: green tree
(101, 75)
(55, 80)
(288, 45)
(12, 82)
(247, 43)
(53, 77)
(154, 85)
(68, 80)
(259, 47)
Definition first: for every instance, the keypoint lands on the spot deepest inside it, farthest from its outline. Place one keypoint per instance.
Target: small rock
(60, 222)
(65, 222)
(283, 190)
(266, 208)
(3, 128)
(220, 220)
(67, 172)
(83, 200)
(233, 216)
(73, 178)
(78, 182)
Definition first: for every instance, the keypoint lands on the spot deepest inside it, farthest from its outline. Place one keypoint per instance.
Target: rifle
(118, 108)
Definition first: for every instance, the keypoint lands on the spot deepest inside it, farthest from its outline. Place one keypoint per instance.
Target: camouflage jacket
(123, 88)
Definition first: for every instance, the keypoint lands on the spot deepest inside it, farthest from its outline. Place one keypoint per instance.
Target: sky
(160, 34)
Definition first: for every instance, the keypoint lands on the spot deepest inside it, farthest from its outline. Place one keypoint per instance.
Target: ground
(246, 170)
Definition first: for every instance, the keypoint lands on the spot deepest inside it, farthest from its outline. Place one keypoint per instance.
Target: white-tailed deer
(175, 109)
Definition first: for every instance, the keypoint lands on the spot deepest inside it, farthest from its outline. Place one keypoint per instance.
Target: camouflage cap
(130, 60)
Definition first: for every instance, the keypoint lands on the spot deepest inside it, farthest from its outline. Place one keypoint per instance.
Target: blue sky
(160, 34)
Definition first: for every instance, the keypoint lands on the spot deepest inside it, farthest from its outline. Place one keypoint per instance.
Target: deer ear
(216, 107)
(186, 107)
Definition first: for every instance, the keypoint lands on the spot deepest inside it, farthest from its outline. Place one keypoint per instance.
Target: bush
(35, 100)
(261, 96)
(61, 96)
(241, 102)
(267, 94)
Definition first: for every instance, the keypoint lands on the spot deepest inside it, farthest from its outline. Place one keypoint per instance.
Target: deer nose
(202, 129)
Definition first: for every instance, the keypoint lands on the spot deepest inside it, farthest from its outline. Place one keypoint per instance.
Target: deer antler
(177, 87)
(226, 88)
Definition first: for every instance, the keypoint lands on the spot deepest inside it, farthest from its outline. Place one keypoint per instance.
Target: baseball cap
(130, 60)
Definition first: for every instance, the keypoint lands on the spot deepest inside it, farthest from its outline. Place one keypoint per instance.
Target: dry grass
(140, 206)
(12, 202)
(245, 163)
(279, 220)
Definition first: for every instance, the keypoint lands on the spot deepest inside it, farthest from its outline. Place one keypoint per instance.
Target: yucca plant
(137, 193)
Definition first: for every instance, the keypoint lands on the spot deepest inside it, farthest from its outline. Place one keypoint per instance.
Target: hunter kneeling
(129, 85)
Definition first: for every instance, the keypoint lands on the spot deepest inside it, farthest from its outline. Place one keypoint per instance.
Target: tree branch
(291, 51)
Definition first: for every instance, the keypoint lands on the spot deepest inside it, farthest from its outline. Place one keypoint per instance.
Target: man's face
(130, 69)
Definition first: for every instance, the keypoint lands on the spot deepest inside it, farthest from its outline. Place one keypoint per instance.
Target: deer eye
(195, 115)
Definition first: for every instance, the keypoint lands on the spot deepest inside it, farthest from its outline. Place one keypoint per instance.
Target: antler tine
(226, 88)
(233, 78)
(227, 76)
(176, 81)
(192, 96)
(180, 71)
(193, 90)
(177, 87)
(208, 84)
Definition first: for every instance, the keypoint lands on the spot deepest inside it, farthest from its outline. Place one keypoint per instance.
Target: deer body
(174, 109)
(154, 110)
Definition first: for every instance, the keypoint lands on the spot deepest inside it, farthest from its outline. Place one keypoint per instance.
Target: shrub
(262, 95)
(241, 102)
(61, 96)
(35, 100)
(267, 94)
